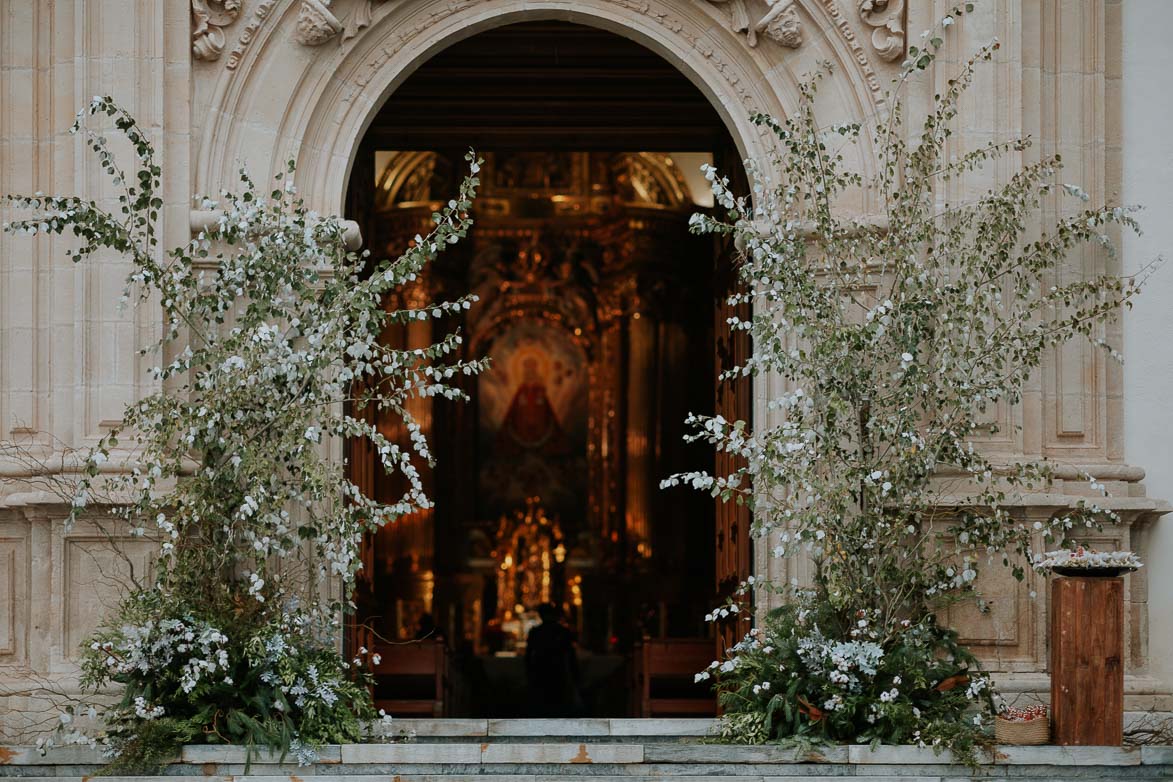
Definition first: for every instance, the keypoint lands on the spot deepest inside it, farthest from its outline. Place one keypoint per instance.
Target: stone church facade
(225, 84)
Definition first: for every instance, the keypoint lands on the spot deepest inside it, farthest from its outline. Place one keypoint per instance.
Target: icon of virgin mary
(530, 423)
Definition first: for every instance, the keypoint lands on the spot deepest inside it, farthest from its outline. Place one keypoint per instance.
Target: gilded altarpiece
(597, 310)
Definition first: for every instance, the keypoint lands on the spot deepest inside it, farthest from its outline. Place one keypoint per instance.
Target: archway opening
(606, 324)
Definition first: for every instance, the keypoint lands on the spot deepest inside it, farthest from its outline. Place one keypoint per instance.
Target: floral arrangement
(803, 675)
(186, 681)
(269, 353)
(890, 340)
(1028, 714)
(1088, 558)
(1027, 726)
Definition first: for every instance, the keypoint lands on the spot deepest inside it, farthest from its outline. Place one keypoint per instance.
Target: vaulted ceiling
(548, 85)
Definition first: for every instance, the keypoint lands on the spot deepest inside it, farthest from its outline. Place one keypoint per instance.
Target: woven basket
(1031, 732)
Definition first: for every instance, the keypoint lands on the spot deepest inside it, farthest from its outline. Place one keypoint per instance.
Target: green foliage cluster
(269, 353)
(889, 341)
(806, 677)
(182, 681)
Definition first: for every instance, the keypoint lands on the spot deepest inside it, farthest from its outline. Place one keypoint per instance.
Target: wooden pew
(673, 662)
(417, 662)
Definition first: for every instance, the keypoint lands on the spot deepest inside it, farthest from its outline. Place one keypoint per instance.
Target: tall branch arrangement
(269, 349)
(896, 339)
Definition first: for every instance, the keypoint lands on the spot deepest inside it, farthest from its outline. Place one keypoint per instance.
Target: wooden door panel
(733, 402)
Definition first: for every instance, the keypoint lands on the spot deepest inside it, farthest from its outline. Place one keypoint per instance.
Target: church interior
(604, 320)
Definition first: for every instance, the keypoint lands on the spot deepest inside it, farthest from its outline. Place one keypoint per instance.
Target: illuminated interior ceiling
(577, 182)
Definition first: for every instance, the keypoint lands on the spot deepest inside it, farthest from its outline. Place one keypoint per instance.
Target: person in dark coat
(551, 667)
(425, 628)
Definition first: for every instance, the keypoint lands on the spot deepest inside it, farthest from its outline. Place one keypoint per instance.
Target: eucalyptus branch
(893, 346)
(271, 322)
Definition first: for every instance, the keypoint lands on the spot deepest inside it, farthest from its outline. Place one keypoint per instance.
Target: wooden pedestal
(1087, 661)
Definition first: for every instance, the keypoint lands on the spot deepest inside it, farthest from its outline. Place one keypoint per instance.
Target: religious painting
(533, 422)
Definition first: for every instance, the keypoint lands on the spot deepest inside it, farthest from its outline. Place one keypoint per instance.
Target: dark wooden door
(359, 451)
(734, 402)
(360, 469)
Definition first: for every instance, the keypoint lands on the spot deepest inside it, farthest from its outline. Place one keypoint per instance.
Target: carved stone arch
(282, 100)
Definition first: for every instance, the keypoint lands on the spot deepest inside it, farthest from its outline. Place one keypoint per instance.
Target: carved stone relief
(361, 18)
(887, 17)
(780, 22)
(208, 20)
(250, 32)
(857, 51)
(316, 24)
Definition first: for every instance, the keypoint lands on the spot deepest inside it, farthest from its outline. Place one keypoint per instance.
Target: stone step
(713, 777)
(611, 754)
(530, 777)
(589, 730)
(628, 761)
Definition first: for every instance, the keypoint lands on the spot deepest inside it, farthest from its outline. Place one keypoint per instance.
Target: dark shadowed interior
(605, 322)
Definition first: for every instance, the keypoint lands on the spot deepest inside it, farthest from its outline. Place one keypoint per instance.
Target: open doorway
(605, 322)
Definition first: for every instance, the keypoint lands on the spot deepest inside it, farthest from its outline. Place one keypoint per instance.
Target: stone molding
(250, 31)
(316, 23)
(208, 20)
(327, 95)
(886, 18)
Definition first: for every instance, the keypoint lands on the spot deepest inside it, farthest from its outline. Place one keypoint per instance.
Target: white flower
(1089, 558)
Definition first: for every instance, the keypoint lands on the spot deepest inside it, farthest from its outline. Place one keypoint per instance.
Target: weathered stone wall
(68, 354)
(222, 85)
(1146, 150)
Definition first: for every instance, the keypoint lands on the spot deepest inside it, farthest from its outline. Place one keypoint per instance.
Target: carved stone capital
(208, 20)
(316, 24)
(887, 17)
